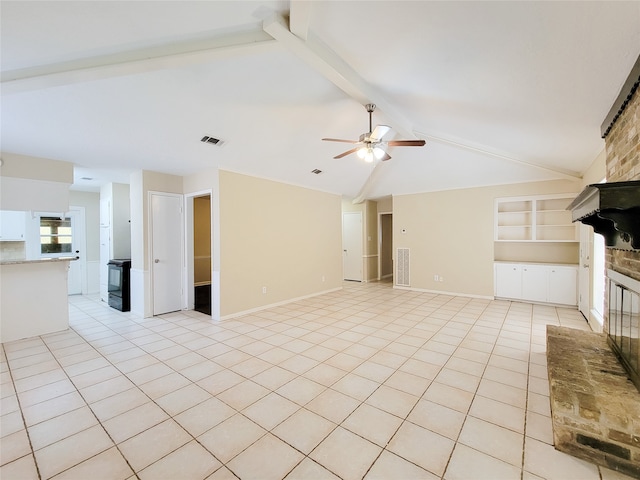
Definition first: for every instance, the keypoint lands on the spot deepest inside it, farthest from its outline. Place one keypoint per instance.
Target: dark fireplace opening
(623, 334)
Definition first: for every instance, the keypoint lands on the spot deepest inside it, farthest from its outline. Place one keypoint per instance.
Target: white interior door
(166, 252)
(76, 268)
(352, 245)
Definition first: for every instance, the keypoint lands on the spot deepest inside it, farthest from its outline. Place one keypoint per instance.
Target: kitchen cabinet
(12, 226)
(542, 283)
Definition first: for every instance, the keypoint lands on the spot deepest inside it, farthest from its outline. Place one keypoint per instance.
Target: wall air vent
(211, 140)
(402, 268)
(316, 171)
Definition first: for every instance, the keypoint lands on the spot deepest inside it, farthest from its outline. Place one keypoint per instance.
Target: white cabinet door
(563, 285)
(508, 280)
(534, 283)
(12, 226)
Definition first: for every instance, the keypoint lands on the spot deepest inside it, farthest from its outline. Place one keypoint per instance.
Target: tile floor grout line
(456, 441)
(171, 417)
(237, 412)
(24, 421)
(144, 393)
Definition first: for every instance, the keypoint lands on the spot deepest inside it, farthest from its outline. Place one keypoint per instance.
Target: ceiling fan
(371, 146)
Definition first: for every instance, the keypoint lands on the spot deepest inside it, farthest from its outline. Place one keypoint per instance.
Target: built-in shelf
(541, 218)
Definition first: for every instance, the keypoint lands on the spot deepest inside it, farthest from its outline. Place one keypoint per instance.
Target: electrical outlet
(436, 278)
(322, 278)
(264, 289)
(442, 279)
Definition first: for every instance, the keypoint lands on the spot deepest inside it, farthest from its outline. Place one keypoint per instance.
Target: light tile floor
(367, 382)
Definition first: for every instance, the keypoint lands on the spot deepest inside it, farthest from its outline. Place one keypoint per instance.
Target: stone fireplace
(594, 378)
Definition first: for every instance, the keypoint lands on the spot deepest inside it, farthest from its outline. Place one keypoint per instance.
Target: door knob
(156, 260)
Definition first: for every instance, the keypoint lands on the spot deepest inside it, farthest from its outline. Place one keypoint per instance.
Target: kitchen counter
(33, 298)
(39, 260)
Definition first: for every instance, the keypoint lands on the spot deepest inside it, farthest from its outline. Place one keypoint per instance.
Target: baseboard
(277, 304)
(440, 292)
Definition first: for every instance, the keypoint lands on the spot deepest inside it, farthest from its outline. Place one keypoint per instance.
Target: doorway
(352, 246)
(166, 251)
(202, 254)
(385, 222)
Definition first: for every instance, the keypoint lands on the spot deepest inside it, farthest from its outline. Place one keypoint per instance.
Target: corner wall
(450, 234)
(278, 236)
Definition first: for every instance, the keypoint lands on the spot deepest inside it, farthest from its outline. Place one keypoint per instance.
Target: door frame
(380, 214)
(151, 264)
(189, 268)
(584, 270)
(360, 256)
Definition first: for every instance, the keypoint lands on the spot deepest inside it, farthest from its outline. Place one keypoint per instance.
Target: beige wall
(35, 168)
(597, 171)
(279, 236)
(385, 205)
(450, 234)
(32, 183)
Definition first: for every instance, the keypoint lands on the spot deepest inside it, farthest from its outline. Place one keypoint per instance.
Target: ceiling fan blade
(339, 140)
(386, 157)
(344, 154)
(406, 143)
(379, 132)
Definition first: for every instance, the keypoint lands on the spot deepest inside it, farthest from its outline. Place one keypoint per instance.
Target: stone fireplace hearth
(595, 408)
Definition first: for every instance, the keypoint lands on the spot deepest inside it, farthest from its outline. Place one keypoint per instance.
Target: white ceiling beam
(299, 18)
(134, 61)
(316, 54)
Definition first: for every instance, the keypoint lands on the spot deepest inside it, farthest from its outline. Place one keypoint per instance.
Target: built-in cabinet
(12, 226)
(536, 248)
(542, 218)
(543, 283)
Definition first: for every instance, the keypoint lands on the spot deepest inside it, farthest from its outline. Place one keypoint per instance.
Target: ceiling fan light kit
(372, 144)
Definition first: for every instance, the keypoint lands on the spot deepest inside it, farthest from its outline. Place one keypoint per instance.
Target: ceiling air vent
(316, 171)
(211, 140)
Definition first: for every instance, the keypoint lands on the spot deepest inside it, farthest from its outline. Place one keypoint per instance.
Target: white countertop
(39, 260)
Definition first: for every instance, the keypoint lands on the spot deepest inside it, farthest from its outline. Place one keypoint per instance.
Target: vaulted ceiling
(502, 92)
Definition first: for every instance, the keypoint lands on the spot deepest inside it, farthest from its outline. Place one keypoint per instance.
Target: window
(55, 235)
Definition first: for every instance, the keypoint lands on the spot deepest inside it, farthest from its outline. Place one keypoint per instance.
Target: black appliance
(118, 284)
